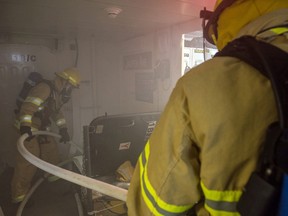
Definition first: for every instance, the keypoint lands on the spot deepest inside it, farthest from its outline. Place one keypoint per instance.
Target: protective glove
(64, 135)
(26, 129)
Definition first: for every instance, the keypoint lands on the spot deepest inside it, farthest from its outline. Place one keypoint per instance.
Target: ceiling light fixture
(113, 12)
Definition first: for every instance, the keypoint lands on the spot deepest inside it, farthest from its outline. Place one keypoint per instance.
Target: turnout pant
(25, 171)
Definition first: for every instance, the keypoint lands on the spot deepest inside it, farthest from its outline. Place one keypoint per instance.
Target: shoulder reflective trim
(279, 30)
(34, 100)
(60, 122)
(26, 118)
(221, 202)
(157, 206)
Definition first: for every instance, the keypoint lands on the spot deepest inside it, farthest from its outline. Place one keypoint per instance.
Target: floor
(49, 199)
(58, 199)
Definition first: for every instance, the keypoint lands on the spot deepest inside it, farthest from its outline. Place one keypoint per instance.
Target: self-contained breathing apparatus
(264, 194)
(33, 79)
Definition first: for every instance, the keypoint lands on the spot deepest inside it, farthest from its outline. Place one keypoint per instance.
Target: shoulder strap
(272, 62)
(51, 86)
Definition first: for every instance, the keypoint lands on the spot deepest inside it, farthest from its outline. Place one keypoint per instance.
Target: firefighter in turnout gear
(209, 137)
(42, 104)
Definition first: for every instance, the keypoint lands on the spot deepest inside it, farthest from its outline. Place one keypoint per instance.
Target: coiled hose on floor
(84, 181)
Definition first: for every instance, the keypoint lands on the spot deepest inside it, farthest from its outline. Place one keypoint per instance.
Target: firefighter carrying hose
(209, 137)
(42, 104)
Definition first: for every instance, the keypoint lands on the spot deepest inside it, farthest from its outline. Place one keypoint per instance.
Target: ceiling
(69, 18)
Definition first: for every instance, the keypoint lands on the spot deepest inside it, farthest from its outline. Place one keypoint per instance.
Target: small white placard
(124, 146)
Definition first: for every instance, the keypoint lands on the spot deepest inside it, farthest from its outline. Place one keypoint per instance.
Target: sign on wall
(139, 61)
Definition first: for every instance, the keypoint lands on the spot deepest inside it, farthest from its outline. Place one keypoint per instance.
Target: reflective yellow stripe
(18, 199)
(142, 162)
(34, 129)
(17, 125)
(214, 38)
(40, 108)
(34, 100)
(72, 80)
(26, 118)
(279, 30)
(60, 122)
(221, 203)
(156, 205)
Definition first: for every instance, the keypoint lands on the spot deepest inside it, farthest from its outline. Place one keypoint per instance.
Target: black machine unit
(109, 141)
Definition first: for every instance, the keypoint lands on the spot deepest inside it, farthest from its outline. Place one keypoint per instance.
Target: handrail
(84, 181)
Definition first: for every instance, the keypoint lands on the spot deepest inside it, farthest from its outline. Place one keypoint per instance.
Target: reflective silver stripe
(219, 202)
(40, 108)
(26, 118)
(159, 210)
(34, 100)
(60, 122)
(156, 205)
(222, 205)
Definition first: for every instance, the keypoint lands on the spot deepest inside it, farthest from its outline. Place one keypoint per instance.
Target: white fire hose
(84, 181)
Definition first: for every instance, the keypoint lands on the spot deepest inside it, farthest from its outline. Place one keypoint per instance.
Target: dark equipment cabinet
(109, 141)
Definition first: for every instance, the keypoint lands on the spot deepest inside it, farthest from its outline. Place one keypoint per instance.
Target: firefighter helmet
(70, 74)
(224, 25)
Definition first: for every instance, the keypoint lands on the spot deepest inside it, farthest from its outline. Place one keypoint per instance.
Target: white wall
(111, 74)
(18, 57)
(99, 92)
(165, 46)
(116, 78)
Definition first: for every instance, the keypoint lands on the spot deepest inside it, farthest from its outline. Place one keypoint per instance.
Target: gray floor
(49, 199)
(53, 199)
